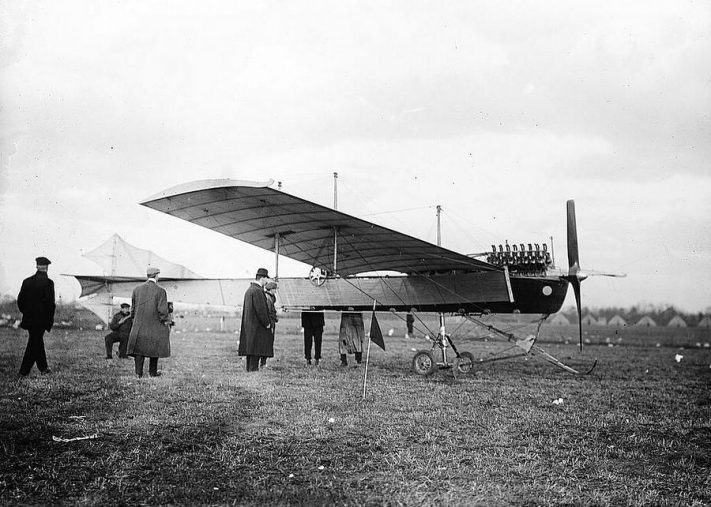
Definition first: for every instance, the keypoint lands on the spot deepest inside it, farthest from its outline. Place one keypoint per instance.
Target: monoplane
(348, 255)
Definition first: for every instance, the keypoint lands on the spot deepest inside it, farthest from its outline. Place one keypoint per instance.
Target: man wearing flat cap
(150, 332)
(120, 326)
(36, 302)
(255, 332)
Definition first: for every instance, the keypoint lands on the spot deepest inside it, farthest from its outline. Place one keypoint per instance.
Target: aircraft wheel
(424, 363)
(465, 363)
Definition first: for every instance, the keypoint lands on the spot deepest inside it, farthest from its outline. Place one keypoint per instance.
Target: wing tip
(197, 185)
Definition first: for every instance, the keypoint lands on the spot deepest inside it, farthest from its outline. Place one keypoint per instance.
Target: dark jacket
(255, 336)
(312, 320)
(36, 302)
(122, 330)
(149, 336)
(271, 300)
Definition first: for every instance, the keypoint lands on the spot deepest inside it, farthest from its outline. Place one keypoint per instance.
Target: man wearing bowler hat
(36, 302)
(150, 332)
(255, 333)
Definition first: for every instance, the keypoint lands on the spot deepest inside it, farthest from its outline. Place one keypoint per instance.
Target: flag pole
(367, 358)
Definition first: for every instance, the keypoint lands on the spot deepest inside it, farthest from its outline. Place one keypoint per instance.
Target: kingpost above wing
(255, 213)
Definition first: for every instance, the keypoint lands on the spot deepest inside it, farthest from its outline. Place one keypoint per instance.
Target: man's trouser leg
(318, 335)
(123, 344)
(34, 352)
(109, 342)
(153, 366)
(139, 360)
(252, 363)
(308, 337)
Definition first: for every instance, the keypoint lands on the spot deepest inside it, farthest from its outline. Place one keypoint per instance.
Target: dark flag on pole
(375, 334)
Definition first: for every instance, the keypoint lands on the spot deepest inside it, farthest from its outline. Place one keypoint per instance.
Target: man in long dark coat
(255, 332)
(36, 302)
(150, 333)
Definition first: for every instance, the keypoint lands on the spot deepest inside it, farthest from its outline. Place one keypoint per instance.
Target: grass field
(637, 431)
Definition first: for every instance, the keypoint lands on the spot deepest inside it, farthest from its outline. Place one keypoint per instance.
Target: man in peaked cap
(150, 332)
(255, 331)
(36, 302)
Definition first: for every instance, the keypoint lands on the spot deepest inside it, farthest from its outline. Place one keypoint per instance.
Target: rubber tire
(424, 363)
(465, 363)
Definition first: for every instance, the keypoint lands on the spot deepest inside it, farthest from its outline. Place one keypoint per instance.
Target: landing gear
(424, 362)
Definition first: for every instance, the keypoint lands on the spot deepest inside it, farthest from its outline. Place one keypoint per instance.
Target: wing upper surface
(256, 214)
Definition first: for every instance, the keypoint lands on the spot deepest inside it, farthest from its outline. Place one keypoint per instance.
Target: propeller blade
(576, 289)
(573, 259)
(590, 272)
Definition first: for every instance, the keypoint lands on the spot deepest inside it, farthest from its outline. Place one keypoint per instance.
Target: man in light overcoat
(255, 334)
(150, 333)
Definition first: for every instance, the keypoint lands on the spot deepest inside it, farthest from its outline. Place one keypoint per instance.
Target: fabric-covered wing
(255, 213)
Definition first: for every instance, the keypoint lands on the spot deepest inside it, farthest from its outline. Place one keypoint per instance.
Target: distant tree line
(660, 313)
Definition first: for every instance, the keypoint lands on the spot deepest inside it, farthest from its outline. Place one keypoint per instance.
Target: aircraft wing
(255, 213)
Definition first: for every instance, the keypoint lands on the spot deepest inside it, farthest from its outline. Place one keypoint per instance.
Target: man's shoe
(308, 361)
(46, 372)
(157, 374)
(316, 362)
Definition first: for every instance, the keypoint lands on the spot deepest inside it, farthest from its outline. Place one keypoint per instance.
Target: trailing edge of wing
(256, 214)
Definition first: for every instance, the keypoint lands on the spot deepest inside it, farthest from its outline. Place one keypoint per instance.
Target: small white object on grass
(706, 345)
(659, 344)
(390, 333)
(99, 327)
(291, 476)
(559, 401)
(331, 420)
(414, 350)
(678, 358)
(88, 437)
(321, 467)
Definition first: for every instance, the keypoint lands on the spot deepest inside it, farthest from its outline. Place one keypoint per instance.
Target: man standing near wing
(150, 333)
(255, 331)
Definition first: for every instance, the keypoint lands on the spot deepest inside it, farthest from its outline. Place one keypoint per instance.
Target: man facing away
(36, 302)
(255, 330)
(150, 333)
(269, 291)
(120, 326)
(313, 323)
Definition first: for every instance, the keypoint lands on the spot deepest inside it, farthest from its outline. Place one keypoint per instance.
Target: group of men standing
(142, 332)
(142, 328)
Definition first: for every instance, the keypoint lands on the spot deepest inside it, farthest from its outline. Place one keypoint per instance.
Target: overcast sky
(498, 111)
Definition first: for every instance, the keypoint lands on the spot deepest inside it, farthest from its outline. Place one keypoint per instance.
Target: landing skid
(527, 344)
